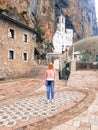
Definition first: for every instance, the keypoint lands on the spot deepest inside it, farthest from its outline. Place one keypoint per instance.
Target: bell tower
(61, 23)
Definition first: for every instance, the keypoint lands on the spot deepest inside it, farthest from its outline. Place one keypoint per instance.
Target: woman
(50, 81)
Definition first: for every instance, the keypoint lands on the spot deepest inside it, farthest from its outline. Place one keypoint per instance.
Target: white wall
(62, 38)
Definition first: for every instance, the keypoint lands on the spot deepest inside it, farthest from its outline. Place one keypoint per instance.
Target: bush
(64, 74)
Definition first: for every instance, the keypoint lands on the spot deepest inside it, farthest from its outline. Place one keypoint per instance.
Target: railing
(86, 65)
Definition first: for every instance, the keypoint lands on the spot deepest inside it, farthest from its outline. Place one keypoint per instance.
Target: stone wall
(16, 67)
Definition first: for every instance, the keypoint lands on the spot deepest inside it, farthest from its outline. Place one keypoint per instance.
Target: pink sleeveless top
(50, 75)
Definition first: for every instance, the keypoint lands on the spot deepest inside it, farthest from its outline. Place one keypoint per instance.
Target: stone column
(56, 67)
(73, 66)
(57, 75)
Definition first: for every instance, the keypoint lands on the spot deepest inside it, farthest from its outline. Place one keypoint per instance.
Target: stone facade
(16, 48)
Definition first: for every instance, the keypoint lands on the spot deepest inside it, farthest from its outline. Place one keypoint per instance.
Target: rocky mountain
(41, 15)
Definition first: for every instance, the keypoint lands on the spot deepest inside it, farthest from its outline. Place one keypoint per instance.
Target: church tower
(61, 23)
(63, 37)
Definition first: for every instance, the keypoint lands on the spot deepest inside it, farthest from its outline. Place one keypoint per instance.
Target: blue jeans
(50, 90)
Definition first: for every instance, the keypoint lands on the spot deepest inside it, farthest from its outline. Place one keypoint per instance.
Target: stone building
(16, 48)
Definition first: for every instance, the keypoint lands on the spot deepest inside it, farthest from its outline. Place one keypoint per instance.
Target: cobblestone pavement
(23, 106)
(88, 120)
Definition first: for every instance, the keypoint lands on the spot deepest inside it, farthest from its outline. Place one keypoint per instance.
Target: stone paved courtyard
(23, 106)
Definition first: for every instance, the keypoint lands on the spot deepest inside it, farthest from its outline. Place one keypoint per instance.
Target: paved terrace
(23, 106)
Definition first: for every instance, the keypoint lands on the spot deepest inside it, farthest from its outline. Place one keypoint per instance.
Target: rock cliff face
(80, 15)
(17, 9)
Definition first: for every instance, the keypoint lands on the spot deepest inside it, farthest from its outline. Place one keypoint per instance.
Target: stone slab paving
(24, 108)
(64, 114)
(16, 89)
(29, 109)
(12, 88)
(87, 120)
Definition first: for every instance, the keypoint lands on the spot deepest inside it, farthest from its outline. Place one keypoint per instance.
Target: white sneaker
(48, 101)
(52, 100)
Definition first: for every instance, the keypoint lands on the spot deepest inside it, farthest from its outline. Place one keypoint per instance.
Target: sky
(96, 6)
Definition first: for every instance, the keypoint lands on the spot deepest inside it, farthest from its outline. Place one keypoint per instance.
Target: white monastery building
(63, 37)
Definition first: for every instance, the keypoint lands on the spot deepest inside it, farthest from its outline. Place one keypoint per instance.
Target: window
(11, 33)
(11, 54)
(25, 56)
(96, 57)
(57, 20)
(25, 38)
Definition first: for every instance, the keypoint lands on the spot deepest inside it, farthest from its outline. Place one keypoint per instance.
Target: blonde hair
(50, 65)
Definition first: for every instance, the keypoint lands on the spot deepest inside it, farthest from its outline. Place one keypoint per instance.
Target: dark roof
(8, 19)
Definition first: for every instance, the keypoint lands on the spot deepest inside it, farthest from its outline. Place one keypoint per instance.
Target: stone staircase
(84, 79)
